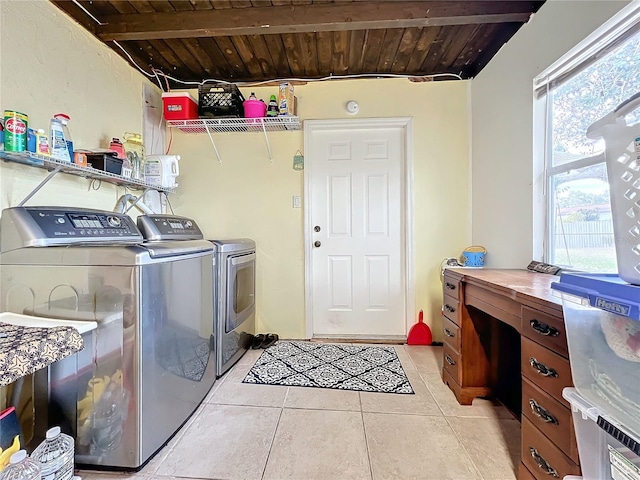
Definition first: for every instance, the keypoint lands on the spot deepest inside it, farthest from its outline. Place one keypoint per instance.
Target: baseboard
(341, 339)
(387, 340)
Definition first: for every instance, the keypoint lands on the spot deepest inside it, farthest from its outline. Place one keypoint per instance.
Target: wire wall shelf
(220, 125)
(237, 125)
(57, 166)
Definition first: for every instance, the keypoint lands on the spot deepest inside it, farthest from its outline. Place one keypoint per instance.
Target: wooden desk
(505, 338)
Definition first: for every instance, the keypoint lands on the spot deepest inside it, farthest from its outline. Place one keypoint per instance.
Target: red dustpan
(420, 333)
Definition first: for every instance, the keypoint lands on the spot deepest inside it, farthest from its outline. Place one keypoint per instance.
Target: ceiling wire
(79, 5)
(321, 79)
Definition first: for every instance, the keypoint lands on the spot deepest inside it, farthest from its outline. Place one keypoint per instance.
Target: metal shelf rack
(222, 125)
(56, 166)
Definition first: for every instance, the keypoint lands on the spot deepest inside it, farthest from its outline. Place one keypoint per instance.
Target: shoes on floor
(269, 340)
(263, 341)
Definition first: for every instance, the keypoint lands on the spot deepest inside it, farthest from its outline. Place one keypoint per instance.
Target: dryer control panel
(65, 226)
(168, 227)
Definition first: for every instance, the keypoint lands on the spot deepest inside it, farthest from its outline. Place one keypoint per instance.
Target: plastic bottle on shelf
(55, 455)
(253, 96)
(64, 119)
(61, 145)
(272, 109)
(42, 143)
(134, 149)
(21, 467)
(116, 146)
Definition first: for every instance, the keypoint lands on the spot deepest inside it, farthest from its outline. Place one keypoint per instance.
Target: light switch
(297, 201)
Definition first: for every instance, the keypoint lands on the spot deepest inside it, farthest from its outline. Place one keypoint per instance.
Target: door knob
(316, 243)
(316, 228)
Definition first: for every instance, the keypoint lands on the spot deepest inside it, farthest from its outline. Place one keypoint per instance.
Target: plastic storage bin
(179, 106)
(622, 154)
(607, 450)
(105, 162)
(219, 100)
(602, 318)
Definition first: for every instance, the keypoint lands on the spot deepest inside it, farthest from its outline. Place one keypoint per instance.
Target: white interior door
(356, 217)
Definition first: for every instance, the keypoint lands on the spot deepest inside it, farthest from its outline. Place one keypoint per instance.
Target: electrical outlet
(297, 201)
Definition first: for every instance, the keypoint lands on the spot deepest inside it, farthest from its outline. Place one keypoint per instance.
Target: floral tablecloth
(23, 350)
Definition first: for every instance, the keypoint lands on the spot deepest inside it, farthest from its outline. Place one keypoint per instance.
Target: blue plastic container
(602, 318)
(474, 256)
(31, 140)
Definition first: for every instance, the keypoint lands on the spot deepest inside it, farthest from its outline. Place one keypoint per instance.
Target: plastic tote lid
(53, 433)
(607, 292)
(17, 457)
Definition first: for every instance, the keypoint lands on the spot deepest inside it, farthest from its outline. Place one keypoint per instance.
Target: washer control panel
(65, 226)
(168, 227)
(84, 225)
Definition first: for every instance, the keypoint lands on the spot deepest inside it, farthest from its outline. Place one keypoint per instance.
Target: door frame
(406, 124)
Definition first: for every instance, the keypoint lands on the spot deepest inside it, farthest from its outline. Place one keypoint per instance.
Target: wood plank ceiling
(258, 40)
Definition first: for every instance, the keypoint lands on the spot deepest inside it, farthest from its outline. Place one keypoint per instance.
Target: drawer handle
(449, 333)
(541, 412)
(449, 360)
(542, 369)
(449, 308)
(543, 464)
(450, 286)
(543, 329)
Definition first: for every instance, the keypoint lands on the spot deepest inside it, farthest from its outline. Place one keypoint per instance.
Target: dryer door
(241, 286)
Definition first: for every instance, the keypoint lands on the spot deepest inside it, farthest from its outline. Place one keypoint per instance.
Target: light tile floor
(253, 432)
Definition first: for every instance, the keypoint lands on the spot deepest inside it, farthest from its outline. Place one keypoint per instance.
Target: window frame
(614, 32)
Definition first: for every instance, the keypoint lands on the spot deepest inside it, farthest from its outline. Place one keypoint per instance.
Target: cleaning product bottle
(21, 467)
(42, 143)
(253, 96)
(64, 119)
(55, 455)
(153, 170)
(59, 143)
(272, 109)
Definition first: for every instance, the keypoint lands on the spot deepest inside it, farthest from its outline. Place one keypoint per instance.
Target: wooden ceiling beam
(309, 18)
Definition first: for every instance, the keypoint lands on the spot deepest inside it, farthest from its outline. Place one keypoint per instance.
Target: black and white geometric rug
(324, 365)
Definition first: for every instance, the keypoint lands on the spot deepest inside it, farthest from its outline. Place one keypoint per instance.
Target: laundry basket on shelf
(622, 154)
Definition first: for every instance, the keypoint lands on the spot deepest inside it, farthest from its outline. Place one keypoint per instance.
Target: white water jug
(162, 170)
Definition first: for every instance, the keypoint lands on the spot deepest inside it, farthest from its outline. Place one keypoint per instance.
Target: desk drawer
(524, 473)
(451, 309)
(451, 333)
(543, 459)
(550, 417)
(452, 363)
(545, 330)
(546, 369)
(451, 287)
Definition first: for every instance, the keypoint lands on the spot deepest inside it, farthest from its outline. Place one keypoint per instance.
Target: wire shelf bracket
(213, 143)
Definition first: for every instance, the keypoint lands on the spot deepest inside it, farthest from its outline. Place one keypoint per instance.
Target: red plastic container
(179, 106)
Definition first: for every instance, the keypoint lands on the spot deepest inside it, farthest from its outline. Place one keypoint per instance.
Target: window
(584, 86)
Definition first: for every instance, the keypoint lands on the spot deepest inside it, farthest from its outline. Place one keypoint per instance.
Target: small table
(26, 349)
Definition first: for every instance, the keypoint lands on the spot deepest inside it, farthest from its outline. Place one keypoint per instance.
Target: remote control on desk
(541, 267)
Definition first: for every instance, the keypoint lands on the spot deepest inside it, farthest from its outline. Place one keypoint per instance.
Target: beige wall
(49, 64)
(502, 126)
(249, 196)
(246, 195)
